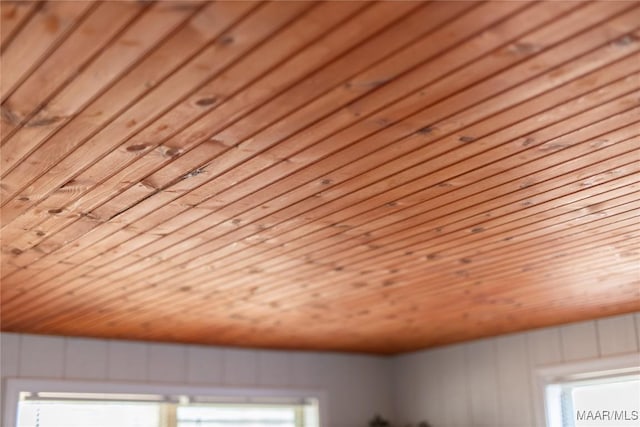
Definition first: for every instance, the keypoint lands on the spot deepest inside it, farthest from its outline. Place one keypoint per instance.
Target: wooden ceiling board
(364, 176)
(14, 16)
(181, 278)
(118, 75)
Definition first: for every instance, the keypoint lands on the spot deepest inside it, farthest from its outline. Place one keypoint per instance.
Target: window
(257, 408)
(612, 401)
(52, 413)
(79, 413)
(598, 393)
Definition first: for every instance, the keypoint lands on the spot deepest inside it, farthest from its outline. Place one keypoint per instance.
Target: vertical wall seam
(107, 359)
(596, 324)
(65, 353)
(20, 346)
(185, 364)
(562, 352)
(467, 386)
(530, 368)
(147, 358)
(498, 386)
(636, 324)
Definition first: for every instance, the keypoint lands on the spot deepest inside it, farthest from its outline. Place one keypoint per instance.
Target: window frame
(549, 375)
(14, 386)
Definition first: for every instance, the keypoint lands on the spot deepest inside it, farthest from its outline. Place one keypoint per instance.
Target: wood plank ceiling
(376, 177)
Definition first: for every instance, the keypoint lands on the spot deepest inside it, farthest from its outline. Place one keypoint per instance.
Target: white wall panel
(499, 372)
(356, 386)
(340, 379)
(426, 393)
(128, 361)
(9, 354)
(431, 397)
(304, 369)
(579, 341)
(240, 367)
(167, 363)
(9, 357)
(637, 316)
(376, 375)
(545, 346)
(42, 356)
(455, 383)
(274, 368)
(205, 365)
(514, 381)
(86, 359)
(405, 386)
(484, 407)
(617, 335)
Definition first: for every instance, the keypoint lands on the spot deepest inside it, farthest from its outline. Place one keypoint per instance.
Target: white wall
(480, 383)
(488, 382)
(356, 386)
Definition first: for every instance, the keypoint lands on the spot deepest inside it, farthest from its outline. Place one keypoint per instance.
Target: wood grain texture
(367, 176)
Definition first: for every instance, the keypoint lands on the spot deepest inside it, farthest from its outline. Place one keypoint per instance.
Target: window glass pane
(614, 403)
(235, 416)
(87, 414)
